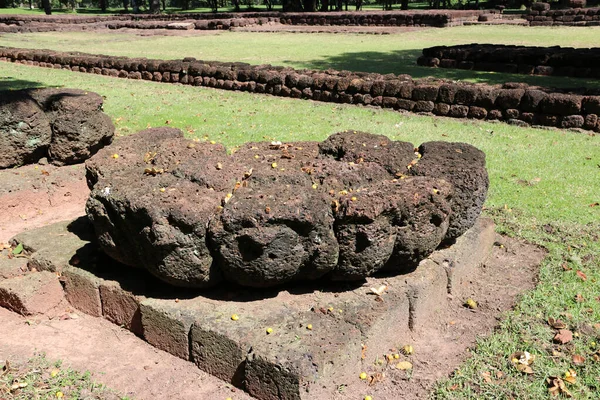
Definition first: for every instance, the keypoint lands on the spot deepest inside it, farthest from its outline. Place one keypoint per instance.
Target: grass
(40, 379)
(544, 184)
(373, 53)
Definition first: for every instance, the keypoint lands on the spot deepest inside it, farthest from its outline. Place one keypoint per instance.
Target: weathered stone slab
(34, 293)
(316, 333)
(468, 252)
(56, 246)
(181, 25)
(120, 307)
(167, 326)
(11, 267)
(67, 125)
(82, 290)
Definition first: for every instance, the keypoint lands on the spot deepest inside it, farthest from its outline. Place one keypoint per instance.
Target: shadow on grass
(405, 62)
(8, 83)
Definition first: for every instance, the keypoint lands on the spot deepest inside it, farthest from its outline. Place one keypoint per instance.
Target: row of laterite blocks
(513, 102)
(541, 15)
(529, 60)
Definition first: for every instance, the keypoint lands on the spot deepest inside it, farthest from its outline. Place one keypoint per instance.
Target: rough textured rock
(355, 146)
(392, 225)
(25, 132)
(269, 234)
(463, 166)
(65, 125)
(79, 127)
(272, 213)
(160, 221)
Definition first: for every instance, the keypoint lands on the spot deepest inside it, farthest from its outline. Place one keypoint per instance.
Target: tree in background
(47, 6)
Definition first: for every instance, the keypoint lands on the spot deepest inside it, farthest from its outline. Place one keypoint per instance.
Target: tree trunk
(155, 6)
(310, 5)
(404, 5)
(103, 5)
(47, 7)
(292, 6)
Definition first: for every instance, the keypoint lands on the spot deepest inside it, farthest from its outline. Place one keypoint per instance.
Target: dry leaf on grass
(522, 361)
(563, 336)
(487, 376)
(578, 360)
(571, 376)
(556, 323)
(581, 275)
(556, 386)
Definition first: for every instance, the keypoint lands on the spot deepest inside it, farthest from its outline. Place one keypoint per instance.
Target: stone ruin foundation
(272, 213)
(363, 237)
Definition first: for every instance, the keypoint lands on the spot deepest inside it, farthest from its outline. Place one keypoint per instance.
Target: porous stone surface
(25, 132)
(463, 166)
(276, 212)
(65, 125)
(79, 127)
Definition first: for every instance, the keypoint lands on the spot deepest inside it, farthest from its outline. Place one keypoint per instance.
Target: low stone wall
(530, 60)
(541, 15)
(435, 18)
(515, 103)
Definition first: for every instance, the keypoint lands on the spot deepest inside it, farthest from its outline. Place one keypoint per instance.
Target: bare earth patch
(36, 195)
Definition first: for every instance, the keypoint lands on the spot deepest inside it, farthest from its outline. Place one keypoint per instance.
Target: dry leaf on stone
(563, 336)
(153, 171)
(379, 290)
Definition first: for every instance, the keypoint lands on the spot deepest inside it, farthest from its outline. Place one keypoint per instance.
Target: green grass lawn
(373, 53)
(544, 183)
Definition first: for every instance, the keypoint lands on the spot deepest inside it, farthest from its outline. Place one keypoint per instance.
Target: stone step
(318, 334)
(11, 267)
(31, 294)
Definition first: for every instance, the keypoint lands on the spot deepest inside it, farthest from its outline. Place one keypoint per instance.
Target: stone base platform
(295, 342)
